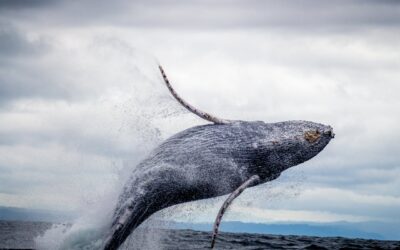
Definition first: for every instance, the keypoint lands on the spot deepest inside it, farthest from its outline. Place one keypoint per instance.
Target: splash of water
(136, 109)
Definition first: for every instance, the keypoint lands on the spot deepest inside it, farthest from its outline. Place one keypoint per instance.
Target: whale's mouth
(330, 133)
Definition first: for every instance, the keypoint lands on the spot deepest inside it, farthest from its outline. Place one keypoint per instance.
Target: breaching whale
(211, 160)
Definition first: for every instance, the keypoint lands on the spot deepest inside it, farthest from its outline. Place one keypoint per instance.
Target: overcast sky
(81, 100)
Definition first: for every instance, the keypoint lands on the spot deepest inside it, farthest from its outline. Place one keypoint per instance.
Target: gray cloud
(29, 85)
(19, 75)
(14, 43)
(322, 15)
(22, 4)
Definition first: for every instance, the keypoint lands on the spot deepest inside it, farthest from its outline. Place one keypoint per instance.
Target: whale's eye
(312, 136)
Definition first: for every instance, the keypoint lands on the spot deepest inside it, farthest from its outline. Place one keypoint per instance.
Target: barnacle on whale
(312, 136)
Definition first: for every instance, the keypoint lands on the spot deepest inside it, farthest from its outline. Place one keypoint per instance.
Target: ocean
(21, 235)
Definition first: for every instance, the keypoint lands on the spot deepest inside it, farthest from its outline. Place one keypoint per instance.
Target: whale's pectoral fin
(252, 180)
(189, 107)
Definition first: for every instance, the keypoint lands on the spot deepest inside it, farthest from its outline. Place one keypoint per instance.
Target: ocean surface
(21, 235)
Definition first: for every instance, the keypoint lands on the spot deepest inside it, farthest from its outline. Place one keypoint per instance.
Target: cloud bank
(81, 100)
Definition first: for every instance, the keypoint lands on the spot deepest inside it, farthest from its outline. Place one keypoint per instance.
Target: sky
(82, 101)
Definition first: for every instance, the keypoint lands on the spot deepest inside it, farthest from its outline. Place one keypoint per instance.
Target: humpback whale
(211, 160)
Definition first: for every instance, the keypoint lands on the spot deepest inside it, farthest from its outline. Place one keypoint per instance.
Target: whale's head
(274, 147)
